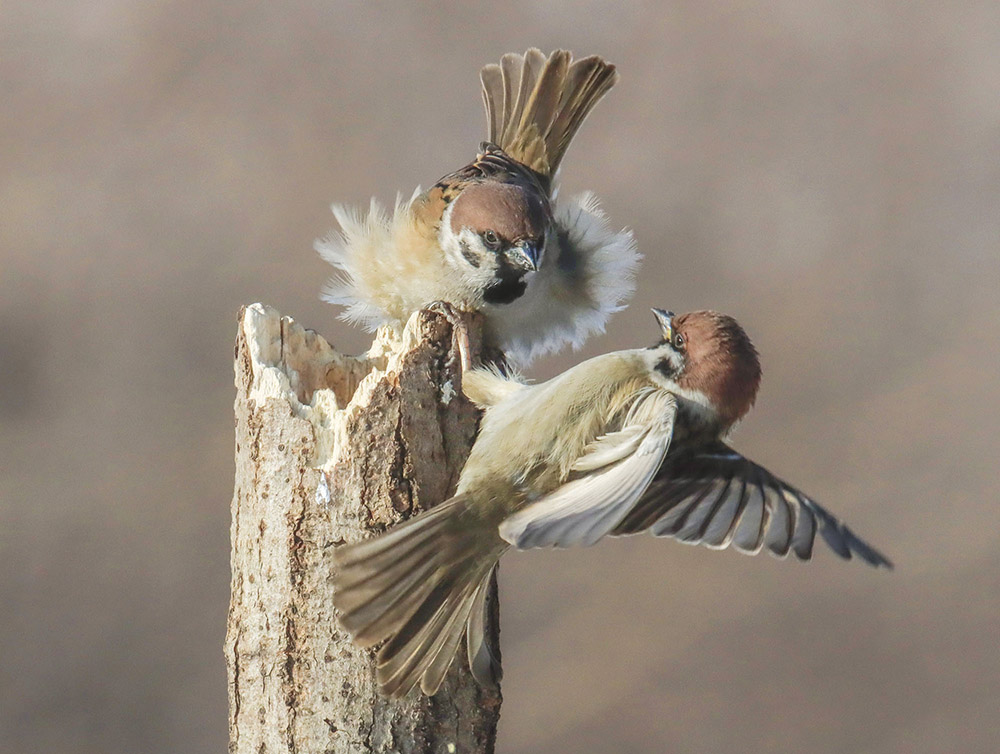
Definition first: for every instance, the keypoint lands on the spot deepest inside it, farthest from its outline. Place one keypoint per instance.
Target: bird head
(497, 231)
(707, 357)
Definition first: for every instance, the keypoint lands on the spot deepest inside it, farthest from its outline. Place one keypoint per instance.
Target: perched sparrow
(625, 442)
(491, 237)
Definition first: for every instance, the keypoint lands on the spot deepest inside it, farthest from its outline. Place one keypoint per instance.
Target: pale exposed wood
(330, 449)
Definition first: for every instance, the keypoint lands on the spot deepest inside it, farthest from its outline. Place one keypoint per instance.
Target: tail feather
(369, 554)
(424, 649)
(403, 655)
(523, 71)
(483, 661)
(416, 587)
(493, 82)
(538, 94)
(587, 82)
(372, 612)
(381, 581)
(384, 563)
(429, 615)
(535, 105)
(439, 660)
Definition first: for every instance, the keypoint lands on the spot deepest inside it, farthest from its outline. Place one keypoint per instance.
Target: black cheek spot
(664, 367)
(468, 254)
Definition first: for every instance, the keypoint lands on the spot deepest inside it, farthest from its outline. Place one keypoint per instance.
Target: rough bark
(331, 448)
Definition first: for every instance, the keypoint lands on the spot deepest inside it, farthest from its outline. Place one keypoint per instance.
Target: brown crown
(721, 362)
(514, 211)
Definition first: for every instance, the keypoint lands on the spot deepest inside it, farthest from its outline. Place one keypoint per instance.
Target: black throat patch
(508, 286)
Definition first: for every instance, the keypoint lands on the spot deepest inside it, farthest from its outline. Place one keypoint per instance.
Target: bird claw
(459, 332)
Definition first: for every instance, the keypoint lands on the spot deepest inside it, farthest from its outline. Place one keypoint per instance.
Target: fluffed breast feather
(390, 266)
(571, 300)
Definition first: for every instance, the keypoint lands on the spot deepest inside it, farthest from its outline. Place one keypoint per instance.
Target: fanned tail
(535, 105)
(419, 586)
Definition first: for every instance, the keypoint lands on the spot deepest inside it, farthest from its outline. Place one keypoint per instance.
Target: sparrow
(626, 442)
(491, 237)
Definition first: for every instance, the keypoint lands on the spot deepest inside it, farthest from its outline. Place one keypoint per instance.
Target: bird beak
(526, 255)
(666, 320)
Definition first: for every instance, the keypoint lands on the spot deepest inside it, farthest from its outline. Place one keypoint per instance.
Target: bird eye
(492, 240)
(678, 341)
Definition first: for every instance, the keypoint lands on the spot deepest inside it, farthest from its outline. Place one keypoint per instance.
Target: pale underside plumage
(389, 267)
(488, 385)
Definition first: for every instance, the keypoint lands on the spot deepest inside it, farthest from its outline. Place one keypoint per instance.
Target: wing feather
(714, 496)
(719, 531)
(778, 538)
(699, 516)
(748, 536)
(484, 659)
(612, 474)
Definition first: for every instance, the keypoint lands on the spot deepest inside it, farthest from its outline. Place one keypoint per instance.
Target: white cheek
(455, 257)
(451, 245)
(450, 242)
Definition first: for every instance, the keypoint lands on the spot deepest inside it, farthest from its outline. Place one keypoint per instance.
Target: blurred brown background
(826, 171)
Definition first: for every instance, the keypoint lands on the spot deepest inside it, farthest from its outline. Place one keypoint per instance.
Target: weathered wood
(330, 449)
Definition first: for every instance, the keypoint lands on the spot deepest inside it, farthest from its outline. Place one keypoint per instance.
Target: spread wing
(605, 481)
(714, 496)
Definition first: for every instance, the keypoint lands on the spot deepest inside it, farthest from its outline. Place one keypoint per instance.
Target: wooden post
(330, 448)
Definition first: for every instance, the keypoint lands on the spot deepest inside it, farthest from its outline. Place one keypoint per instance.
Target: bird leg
(459, 332)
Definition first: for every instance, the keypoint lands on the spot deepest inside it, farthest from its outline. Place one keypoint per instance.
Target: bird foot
(459, 332)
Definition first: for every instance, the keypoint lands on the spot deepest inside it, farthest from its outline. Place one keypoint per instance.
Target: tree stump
(333, 448)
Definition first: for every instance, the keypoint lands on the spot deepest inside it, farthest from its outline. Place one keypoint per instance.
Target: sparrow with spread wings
(622, 443)
(491, 237)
